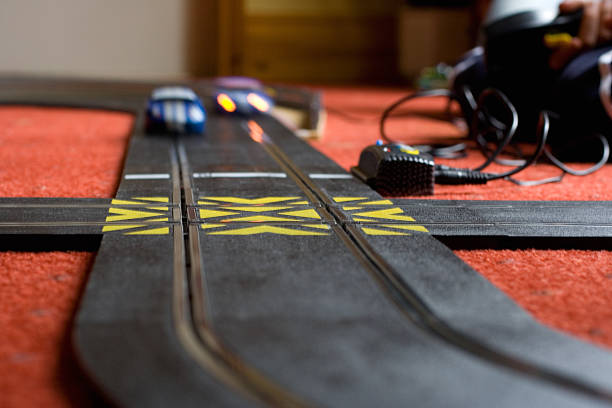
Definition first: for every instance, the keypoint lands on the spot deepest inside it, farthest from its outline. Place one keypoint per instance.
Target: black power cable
(510, 132)
(485, 123)
(404, 99)
(604, 159)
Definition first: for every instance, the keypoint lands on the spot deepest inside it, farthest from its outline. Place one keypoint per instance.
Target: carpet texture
(39, 294)
(49, 152)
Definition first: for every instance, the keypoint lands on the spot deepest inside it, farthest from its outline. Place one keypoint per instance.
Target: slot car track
(243, 267)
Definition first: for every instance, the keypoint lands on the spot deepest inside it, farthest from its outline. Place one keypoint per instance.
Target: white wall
(94, 38)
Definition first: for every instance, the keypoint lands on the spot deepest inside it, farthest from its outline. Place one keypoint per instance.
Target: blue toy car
(175, 109)
(241, 95)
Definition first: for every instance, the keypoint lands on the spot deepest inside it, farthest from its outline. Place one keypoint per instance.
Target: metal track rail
(413, 306)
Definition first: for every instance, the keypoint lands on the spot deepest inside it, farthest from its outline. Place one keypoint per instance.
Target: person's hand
(595, 29)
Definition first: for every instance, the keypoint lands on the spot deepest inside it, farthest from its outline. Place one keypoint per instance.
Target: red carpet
(39, 295)
(78, 153)
(50, 153)
(567, 290)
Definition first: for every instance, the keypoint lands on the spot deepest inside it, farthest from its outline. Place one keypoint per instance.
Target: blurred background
(307, 41)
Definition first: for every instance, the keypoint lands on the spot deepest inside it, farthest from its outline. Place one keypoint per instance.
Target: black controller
(401, 170)
(396, 170)
(524, 41)
(517, 53)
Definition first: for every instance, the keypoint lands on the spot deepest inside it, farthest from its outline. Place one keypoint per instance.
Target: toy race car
(241, 95)
(175, 109)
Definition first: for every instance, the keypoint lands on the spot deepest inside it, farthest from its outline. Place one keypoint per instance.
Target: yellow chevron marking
(349, 208)
(251, 208)
(262, 200)
(209, 226)
(388, 214)
(309, 213)
(215, 213)
(299, 203)
(158, 219)
(122, 214)
(379, 202)
(201, 202)
(263, 229)
(153, 231)
(375, 231)
(363, 219)
(319, 226)
(406, 227)
(156, 199)
(140, 202)
(258, 218)
(125, 214)
(345, 199)
(125, 202)
(108, 228)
